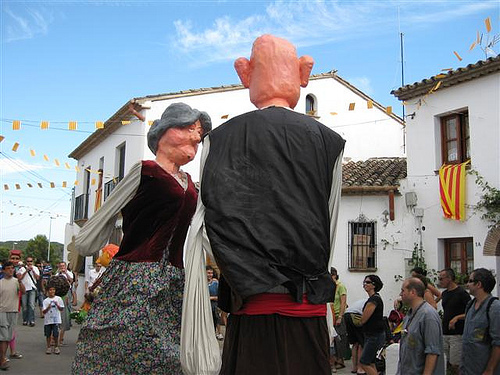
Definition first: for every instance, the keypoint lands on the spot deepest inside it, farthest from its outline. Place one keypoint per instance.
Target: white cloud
(363, 84)
(26, 26)
(317, 22)
(9, 166)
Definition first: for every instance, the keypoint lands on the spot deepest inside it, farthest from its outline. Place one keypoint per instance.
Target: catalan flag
(452, 190)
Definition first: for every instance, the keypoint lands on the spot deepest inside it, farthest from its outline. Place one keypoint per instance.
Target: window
(455, 138)
(362, 245)
(311, 105)
(459, 254)
(120, 161)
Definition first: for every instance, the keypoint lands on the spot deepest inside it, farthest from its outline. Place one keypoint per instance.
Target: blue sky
(82, 60)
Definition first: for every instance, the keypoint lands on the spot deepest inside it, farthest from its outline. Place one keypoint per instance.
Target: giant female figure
(133, 326)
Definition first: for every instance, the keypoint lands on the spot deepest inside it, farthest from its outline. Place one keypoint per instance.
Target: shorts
(7, 322)
(370, 348)
(51, 330)
(452, 345)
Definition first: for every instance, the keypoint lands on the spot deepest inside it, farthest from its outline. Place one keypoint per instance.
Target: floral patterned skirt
(133, 326)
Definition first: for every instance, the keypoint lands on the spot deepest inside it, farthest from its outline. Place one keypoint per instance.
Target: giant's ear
(242, 66)
(305, 65)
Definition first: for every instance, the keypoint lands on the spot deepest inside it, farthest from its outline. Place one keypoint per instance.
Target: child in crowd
(52, 307)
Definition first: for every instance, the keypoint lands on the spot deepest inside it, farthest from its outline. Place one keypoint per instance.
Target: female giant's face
(181, 144)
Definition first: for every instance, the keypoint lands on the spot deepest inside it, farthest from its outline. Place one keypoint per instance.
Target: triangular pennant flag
(18, 187)
(92, 182)
(52, 185)
(39, 185)
(488, 24)
(437, 86)
(457, 55)
(150, 123)
(32, 152)
(16, 125)
(224, 117)
(15, 147)
(126, 122)
(57, 162)
(388, 110)
(440, 76)
(472, 46)
(6, 187)
(369, 104)
(29, 185)
(44, 125)
(64, 184)
(351, 106)
(99, 125)
(45, 157)
(77, 168)
(1, 138)
(72, 125)
(478, 39)
(76, 182)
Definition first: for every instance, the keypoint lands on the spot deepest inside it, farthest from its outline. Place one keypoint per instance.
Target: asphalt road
(32, 345)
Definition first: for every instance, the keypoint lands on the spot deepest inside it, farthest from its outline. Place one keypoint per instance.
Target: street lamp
(13, 244)
(50, 229)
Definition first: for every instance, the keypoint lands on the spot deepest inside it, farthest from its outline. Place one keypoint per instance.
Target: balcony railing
(82, 207)
(109, 186)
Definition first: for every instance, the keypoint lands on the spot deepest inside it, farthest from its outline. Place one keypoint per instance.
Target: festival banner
(452, 190)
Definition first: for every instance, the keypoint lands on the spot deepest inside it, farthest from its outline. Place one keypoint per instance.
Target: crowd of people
(464, 340)
(25, 284)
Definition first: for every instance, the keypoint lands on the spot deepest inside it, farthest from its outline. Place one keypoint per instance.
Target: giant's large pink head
(274, 73)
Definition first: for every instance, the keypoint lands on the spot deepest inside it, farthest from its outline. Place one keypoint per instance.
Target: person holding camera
(28, 274)
(52, 307)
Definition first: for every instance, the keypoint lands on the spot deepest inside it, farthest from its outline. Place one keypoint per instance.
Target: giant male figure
(270, 189)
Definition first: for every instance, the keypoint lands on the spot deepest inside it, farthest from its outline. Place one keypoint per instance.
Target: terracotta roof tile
(374, 172)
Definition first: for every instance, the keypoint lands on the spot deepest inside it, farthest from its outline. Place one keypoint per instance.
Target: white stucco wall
(481, 97)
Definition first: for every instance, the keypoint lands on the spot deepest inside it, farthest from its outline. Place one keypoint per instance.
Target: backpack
(486, 337)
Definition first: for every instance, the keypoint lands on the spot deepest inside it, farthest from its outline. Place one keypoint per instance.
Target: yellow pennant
(16, 125)
(488, 24)
(126, 122)
(44, 125)
(440, 76)
(52, 185)
(45, 157)
(99, 125)
(39, 185)
(224, 117)
(67, 166)
(57, 162)
(150, 123)
(72, 125)
(472, 46)
(457, 55)
(18, 187)
(64, 184)
(437, 86)
(388, 110)
(32, 152)
(369, 104)
(6, 187)
(76, 182)
(92, 182)
(1, 138)
(15, 147)
(351, 106)
(77, 168)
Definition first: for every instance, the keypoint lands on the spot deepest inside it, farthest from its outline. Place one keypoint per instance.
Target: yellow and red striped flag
(452, 190)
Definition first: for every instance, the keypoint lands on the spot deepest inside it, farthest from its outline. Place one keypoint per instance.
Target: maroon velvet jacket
(161, 210)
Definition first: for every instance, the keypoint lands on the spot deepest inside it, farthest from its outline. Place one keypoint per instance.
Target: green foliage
(489, 202)
(35, 247)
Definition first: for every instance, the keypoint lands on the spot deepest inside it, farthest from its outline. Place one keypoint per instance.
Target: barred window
(362, 245)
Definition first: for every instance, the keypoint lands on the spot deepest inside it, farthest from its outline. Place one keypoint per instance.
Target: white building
(369, 129)
(451, 122)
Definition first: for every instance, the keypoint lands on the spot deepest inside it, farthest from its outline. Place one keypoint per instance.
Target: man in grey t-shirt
(421, 345)
(481, 338)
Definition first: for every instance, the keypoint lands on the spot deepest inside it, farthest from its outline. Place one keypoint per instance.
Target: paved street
(31, 343)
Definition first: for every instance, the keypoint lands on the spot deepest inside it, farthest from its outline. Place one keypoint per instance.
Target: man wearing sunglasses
(481, 338)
